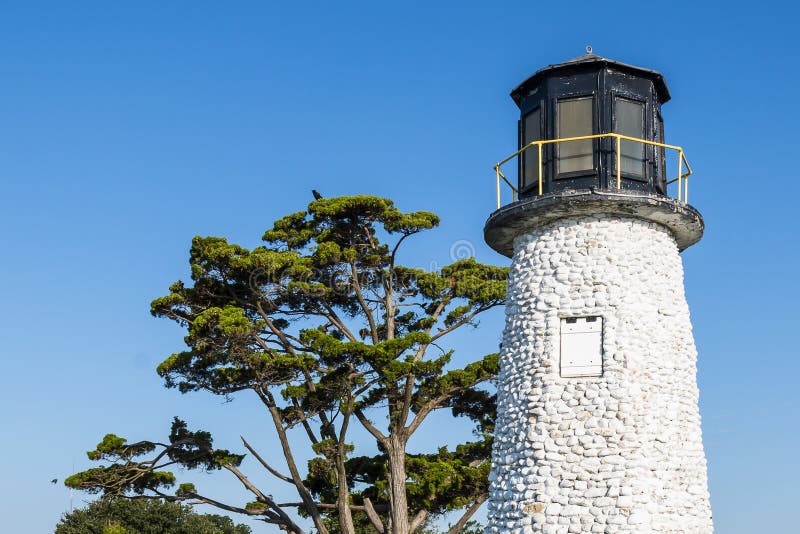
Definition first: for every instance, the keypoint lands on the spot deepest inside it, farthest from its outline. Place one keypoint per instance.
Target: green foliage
(126, 473)
(328, 330)
(187, 488)
(114, 528)
(144, 516)
(116, 446)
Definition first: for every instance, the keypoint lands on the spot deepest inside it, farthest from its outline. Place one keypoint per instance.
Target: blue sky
(128, 128)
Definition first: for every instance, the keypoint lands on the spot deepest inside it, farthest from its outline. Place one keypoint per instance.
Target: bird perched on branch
(316, 194)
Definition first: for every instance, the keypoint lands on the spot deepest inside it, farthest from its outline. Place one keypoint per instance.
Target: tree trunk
(398, 503)
(343, 500)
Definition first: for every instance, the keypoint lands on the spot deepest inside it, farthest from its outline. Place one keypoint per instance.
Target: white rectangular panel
(581, 346)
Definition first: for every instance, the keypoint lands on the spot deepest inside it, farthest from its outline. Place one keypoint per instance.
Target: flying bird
(316, 194)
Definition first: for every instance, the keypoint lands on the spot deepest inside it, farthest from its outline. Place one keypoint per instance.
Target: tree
(137, 516)
(328, 330)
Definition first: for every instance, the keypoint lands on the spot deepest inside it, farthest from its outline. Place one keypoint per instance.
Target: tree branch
(262, 498)
(304, 421)
(418, 520)
(461, 322)
(284, 338)
(333, 317)
(364, 307)
(469, 513)
(264, 463)
(423, 413)
(373, 516)
(297, 480)
(333, 506)
(366, 423)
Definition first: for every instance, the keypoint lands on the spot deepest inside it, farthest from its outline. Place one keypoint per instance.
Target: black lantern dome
(591, 140)
(585, 96)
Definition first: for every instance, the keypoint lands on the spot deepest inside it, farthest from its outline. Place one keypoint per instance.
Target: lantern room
(591, 143)
(570, 106)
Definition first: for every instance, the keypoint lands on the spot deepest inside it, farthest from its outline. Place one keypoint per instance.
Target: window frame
(646, 149)
(595, 128)
(522, 142)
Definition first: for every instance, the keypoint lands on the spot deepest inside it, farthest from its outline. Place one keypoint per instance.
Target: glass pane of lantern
(575, 120)
(531, 132)
(630, 122)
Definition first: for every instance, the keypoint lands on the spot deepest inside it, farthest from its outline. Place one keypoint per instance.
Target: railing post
(539, 146)
(686, 190)
(680, 175)
(497, 174)
(619, 165)
(685, 182)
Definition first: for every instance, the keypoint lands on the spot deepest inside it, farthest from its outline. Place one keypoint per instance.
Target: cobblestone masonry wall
(617, 453)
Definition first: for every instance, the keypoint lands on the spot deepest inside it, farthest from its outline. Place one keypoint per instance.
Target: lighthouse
(598, 426)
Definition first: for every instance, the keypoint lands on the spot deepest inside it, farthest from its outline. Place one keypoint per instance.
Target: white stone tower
(598, 427)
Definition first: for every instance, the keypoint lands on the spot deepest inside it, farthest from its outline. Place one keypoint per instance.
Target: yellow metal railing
(682, 178)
